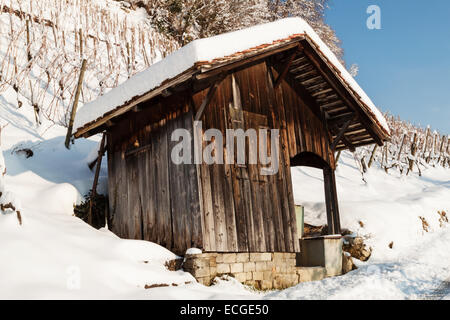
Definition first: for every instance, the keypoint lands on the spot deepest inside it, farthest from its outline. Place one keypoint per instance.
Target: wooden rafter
(342, 93)
(285, 69)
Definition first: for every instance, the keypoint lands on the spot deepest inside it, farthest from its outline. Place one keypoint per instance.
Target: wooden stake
(81, 42)
(372, 156)
(413, 153)
(97, 173)
(401, 147)
(75, 104)
(28, 40)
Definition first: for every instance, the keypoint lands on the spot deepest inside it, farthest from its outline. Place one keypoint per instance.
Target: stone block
(266, 285)
(278, 256)
(201, 272)
(229, 257)
(268, 275)
(223, 268)
(241, 277)
(206, 281)
(258, 276)
(237, 267)
(249, 266)
(261, 266)
(242, 257)
(266, 256)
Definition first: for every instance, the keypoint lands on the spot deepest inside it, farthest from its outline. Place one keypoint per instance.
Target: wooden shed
(274, 76)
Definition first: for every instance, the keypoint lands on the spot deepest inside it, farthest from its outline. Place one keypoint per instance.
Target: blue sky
(405, 66)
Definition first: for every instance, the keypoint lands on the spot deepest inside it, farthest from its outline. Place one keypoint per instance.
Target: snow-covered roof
(213, 49)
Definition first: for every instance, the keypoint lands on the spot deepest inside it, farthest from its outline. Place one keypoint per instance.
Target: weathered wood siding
(151, 198)
(244, 210)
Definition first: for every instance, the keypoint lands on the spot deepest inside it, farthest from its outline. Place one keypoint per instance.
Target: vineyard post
(75, 105)
(27, 22)
(413, 153)
(372, 156)
(81, 42)
(425, 144)
(401, 147)
(441, 149)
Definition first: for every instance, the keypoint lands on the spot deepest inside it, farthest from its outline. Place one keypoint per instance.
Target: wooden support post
(331, 201)
(97, 173)
(75, 105)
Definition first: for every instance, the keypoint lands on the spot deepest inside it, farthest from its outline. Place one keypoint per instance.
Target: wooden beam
(285, 69)
(208, 98)
(341, 133)
(75, 104)
(343, 92)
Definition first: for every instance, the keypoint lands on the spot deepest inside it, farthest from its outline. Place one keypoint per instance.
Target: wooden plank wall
(150, 197)
(219, 207)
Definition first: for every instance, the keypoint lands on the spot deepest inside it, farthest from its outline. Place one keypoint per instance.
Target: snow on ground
(56, 255)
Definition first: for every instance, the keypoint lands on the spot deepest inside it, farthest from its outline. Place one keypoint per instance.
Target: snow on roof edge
(209, 49)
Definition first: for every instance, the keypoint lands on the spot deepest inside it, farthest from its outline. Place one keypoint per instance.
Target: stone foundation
(264, 271)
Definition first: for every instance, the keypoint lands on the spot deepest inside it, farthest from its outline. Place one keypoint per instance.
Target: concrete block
(307, 274)
(323, 251)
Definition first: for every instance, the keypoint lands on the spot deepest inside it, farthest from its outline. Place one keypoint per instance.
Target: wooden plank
(164, 217)
(178, 192)
(239, 172)
(217, 177)
(194, 198)
(230, 212)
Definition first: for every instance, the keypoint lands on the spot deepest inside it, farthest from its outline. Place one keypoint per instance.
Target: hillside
(392, 199)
